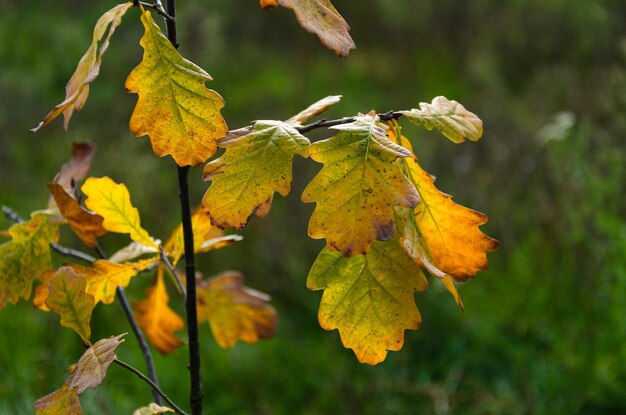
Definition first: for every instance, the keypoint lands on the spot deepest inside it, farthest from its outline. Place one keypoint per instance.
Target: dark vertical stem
(195, 397)
(141, 339)
(171, 23)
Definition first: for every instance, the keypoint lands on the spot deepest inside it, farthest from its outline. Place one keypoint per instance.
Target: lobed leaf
(358, 187)
(233, 311)
(450, 231)
(321, 18)
(77, 88)
(86, 225)
(175, 109)
(449, 117)
(104, 278)
(157, 320)
(67, 298)
(25, 257)
(256, 164)
(368, 298)
(112, 201)
(91, 368)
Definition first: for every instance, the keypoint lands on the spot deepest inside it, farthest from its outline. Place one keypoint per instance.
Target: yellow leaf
(203, 231)
(233, 311)
(103, 279)
(77, 88)
(368, 298)
(157, 320)
(314, 109)
(152, 409)
(451, 232)
(256, 164)
(25, 257)
(91, 368)
(42, 290)
(60, 402)
(112, 201)
(321, 18)
(86, 225)
(449, 117)
(67, 298)
(358, 187)
(175, 109)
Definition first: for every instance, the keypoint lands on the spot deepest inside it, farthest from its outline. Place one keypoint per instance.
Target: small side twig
(155, 388)
(141, 339)
(158, 7)
(172, 271)
(384, 116)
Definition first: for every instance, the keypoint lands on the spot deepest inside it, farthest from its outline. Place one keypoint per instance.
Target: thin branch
(385, 116)
(11, 214)
(154, 387)
(172, 271)
(141, 339)
(158, 7)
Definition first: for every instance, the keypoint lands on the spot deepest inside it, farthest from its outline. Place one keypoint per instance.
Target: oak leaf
(175, 109)
(60, 402)
(358, 187)
(368, 298)
(87, 226)
(105, 276)
(321, 18)
(112, 201)
(25, 257)
(77, 88)
(233, 311)
(256, 164)
(449, 117)
(451, 232)
(157, 320)
(203, 231)
(67, 298)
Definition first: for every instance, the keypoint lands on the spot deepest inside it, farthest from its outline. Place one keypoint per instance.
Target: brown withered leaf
(77, 88)
(157, 320)
(77, 168)
(86, 225)
(91, 368)
(321, 18)
(233, 311)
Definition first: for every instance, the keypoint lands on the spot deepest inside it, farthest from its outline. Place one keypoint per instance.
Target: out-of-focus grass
(543, 330)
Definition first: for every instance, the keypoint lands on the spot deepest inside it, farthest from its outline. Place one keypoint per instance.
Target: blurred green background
(544, 331)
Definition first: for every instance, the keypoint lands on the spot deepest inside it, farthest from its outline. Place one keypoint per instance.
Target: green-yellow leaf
(368, 298)
(67, 298)
(77, 88)
(359, 186)
(321, 18)
(25, 257)
(256, 164)
(449, 117)
(60, 402)
(233, 311)
(112, 201)
(175, 109)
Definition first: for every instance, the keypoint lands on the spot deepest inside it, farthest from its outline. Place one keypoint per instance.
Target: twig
(384, 116)
(172, 271)
(141, 339)
(155, 387)
(158, 7)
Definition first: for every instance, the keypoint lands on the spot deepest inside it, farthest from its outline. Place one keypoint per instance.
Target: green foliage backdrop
(544, 330)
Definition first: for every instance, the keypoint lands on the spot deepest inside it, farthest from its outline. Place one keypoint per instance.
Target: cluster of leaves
(380, 213)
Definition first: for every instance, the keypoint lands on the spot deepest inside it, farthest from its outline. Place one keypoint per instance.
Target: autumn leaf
(175, 109)
(368, 298)
(203, 231)
(233, 311)
(104, 277)
(358, 187)
(449, 117)
(152, 409)
(157, 320)
(60, 402)
(256, 164)
(67, 298)
(77, 88)
(77, 168)
(321, 18)
(132, 251)
(451, 232)
(112, 201)
(86, 225)
(25, 257)
(314, 109)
